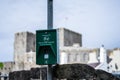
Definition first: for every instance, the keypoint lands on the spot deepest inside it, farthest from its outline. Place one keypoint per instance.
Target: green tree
(1, 65)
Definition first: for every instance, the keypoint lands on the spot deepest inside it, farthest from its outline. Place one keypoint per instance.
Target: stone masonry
(24, 43)
(68, 37)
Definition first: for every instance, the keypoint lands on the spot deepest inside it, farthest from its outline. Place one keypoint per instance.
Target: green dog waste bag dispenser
(46, 47)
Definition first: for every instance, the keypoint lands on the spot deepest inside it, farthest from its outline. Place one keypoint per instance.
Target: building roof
(93, 64)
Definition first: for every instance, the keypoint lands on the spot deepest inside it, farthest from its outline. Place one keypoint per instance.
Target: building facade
(24, 46)
(68, 37)
(114, 65)
(70, 51)
(74, 54)
(7, 67)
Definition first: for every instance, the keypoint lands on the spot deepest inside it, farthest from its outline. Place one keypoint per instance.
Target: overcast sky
(97, 20)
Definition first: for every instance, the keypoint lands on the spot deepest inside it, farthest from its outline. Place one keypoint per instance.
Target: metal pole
(49, 72)
(50, 14)
(49, 26)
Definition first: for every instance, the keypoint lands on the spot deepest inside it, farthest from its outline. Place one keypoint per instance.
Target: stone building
(114, 65)
(74, 54)
(107, 60)
(70, 51)
(7, 67)
(99, 60)
(24, 46)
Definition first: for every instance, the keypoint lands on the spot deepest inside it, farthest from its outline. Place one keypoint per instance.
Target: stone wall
(31, 42)
(70, 55)
(73, 71)
(81, 71)
(19, 75)
(103, 75)
(64, 72)
(71, 37)
(33, 74)
(68, 37)
(24, 43)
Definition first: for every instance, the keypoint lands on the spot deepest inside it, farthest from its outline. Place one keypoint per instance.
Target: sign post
(50, 26)
(47, 49)
(46, 43)
(50, 14)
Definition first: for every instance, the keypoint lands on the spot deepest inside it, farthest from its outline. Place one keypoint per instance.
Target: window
(68, 60)
(85, 57)
(77, 57)
(71, 58)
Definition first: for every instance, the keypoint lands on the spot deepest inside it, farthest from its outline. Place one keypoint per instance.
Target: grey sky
(97, 20)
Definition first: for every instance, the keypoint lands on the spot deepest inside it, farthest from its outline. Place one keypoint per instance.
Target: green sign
(46, 47)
